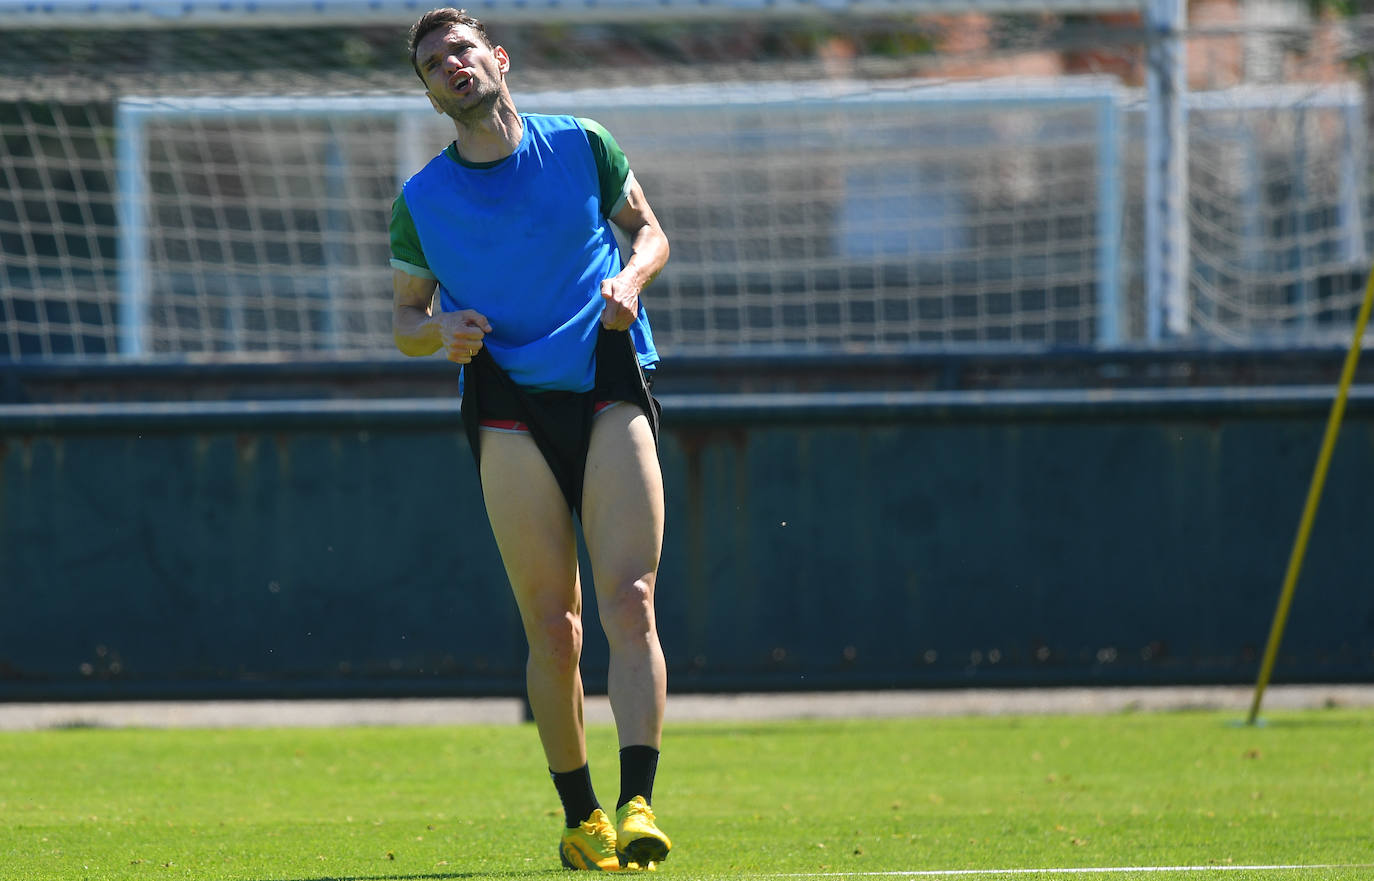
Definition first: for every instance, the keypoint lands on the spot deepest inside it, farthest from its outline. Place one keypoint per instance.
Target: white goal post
(132, 117)
(792, 187)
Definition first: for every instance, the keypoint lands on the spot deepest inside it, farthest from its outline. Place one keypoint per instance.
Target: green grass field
(1194, 793)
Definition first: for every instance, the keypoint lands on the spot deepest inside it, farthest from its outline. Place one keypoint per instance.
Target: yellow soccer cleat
(591, 845)
(640, 844)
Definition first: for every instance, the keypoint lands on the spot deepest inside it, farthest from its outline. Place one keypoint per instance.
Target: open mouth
(460, 83)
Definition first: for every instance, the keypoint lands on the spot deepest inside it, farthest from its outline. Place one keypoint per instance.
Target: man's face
(463, 76)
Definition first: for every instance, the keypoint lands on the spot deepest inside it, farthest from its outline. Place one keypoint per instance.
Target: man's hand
(622, 302)
(461, 333)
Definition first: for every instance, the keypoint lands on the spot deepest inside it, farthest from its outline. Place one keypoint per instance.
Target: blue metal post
(1166, 172)
(1108, 224)
(131, 174)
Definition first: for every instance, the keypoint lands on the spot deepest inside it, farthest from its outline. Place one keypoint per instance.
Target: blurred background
(998, 337)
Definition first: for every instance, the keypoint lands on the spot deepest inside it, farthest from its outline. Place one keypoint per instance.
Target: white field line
(1105, 870)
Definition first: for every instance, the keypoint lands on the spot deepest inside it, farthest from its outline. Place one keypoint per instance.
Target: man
(510, 225)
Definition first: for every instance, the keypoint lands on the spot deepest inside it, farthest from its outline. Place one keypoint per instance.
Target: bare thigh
(532, 526)
(622, 499)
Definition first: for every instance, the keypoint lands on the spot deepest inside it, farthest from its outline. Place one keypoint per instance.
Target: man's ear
(502, 58)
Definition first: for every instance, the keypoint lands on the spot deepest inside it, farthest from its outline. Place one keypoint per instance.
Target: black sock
(575, 791)
(638, 765)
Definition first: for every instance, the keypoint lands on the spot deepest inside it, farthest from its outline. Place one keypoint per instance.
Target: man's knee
(627, 611)
(556, 641)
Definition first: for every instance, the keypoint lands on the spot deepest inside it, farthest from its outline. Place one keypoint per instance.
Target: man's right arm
(412, 323)
(419, 331)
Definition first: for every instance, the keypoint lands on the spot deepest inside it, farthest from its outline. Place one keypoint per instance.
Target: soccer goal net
(848, 214)
(880, 180)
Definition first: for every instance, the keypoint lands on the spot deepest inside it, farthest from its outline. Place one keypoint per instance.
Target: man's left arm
(648, 255)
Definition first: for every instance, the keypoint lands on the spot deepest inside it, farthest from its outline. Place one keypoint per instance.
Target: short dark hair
(444, 17)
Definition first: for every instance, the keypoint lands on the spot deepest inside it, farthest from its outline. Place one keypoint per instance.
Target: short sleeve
(612, 166)
(406, 253)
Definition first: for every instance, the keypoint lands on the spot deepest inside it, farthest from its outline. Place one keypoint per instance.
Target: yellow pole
(1314, 494)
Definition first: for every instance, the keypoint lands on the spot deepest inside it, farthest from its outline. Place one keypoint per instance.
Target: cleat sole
(643, 852)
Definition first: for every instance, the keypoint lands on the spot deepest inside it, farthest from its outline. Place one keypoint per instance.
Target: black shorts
(560, 422)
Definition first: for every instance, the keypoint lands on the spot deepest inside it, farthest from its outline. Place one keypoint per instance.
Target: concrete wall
(815, 541)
